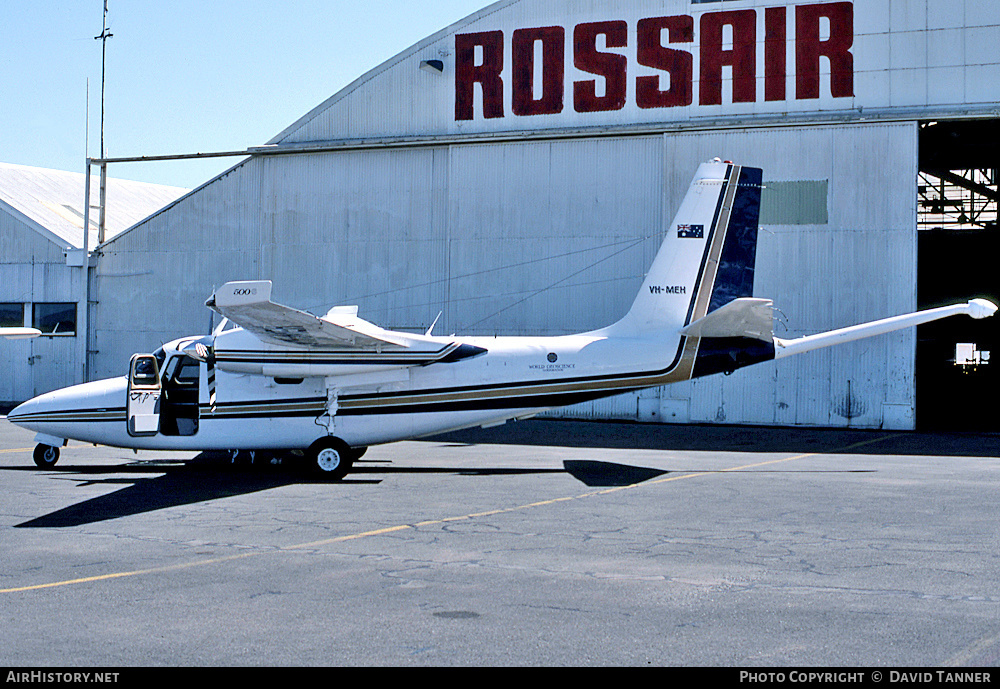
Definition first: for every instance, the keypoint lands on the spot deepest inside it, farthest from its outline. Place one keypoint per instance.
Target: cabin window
(11, 315)
(55, 319)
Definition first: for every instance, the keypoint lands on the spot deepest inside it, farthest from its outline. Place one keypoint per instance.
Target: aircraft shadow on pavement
(152, 486)
(714, 438)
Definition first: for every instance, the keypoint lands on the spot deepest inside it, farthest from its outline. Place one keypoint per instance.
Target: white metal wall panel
(368, 228)
(859, 266)
(22, 244)
(15, 373)
(568, 230)
(521, 238)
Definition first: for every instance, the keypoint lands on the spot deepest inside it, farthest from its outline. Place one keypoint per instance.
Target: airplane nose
(82, 412)
(73, 404)
(21, 410)
(28, 413)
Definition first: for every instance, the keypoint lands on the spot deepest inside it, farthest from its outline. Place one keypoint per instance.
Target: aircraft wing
(249, 305)
(19, 333)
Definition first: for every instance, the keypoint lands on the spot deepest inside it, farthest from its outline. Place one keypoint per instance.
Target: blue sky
(187, 76)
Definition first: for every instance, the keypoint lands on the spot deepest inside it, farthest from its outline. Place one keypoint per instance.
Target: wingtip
(981, 308)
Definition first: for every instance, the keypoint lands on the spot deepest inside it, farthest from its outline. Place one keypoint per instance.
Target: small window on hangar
(958, 245)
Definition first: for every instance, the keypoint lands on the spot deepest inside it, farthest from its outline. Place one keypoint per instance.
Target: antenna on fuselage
(430, 329)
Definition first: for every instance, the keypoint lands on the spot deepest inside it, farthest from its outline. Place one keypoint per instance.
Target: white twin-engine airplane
(331, 386)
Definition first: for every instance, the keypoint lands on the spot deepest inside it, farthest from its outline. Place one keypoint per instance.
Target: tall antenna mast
(103, 38)
(105, 35)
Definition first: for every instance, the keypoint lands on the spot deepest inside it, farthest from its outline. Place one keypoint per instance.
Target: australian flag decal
(691, 231)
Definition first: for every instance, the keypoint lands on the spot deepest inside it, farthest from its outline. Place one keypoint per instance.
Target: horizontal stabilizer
(744, 317)
(249, 305)
(977, 308)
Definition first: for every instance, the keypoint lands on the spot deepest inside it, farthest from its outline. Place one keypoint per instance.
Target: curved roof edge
(51, 202)
(388, 64)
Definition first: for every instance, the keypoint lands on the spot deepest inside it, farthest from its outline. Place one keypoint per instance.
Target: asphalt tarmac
(539, 543)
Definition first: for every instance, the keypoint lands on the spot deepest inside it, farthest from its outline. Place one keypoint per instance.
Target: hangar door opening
(958, 244)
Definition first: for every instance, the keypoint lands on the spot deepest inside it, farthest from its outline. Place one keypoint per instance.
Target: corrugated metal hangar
(517, 170)
(41, 259)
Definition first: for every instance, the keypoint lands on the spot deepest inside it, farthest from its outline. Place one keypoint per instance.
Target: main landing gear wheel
(330, 458)
(46, 456)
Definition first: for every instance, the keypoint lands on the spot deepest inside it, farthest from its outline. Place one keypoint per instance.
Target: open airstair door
(143, 401)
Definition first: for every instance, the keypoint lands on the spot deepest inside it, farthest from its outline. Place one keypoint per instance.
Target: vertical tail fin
(707, 257)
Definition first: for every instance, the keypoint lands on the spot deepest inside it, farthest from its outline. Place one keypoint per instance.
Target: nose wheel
(46, 456)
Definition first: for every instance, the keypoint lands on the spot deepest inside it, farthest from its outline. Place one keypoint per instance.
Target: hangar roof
(51, 202)
(564, 66)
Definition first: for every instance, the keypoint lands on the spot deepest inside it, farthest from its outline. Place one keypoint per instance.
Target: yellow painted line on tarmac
(134, 573)
(342, 539)
(417, 525)
(17, 449)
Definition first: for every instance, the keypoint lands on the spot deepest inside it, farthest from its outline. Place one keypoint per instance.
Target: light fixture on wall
(432, 66)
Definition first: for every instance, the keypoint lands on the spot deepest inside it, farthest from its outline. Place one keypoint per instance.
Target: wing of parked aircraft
(19, 333)
(300, 344)
(249, 305)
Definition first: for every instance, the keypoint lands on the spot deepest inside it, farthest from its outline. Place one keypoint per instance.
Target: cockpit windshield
(181, 370)
(160, 357)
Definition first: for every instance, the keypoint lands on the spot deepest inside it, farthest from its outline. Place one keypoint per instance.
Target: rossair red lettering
(676, 64)
(552, 40)
(742, 57)
(775, 35)
(612, 66)
(837, 48)
(727, 49)
(486, 74)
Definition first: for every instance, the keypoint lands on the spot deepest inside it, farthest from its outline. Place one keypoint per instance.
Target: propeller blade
(207, 354)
